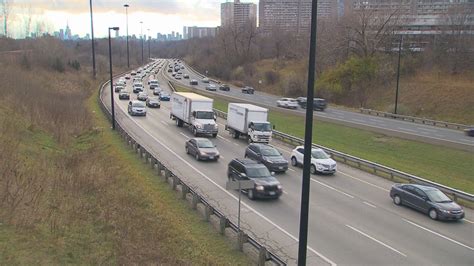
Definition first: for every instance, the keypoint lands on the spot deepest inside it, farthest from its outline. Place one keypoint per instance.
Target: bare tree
(6, 8)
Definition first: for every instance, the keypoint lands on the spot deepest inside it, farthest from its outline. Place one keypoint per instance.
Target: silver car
(136, 108)
(202, 149)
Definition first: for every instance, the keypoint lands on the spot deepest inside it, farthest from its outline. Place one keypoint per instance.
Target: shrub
(272, 77)
(58, 65)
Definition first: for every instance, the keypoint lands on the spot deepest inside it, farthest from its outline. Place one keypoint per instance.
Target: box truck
(194, 111)
(250, 121)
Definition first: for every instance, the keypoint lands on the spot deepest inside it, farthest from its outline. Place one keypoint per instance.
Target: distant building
(238, 14)
(199, 32)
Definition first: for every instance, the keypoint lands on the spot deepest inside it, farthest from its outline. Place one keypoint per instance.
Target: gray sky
(157, 15)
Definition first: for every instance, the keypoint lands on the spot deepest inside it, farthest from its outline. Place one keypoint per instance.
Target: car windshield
(257, 172)
(320, 101)
(204, 115)
(319, 154)
(437, 196)
(205, 143)
(270, 152)
(165, 94)
(138, 104)
(262, 127)
(153, 82)
(292, 100)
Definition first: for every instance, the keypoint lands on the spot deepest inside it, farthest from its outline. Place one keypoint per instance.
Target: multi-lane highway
(426, 133)
(352, 218)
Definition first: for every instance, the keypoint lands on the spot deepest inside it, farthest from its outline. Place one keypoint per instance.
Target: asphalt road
(352, 218)
(425, 133)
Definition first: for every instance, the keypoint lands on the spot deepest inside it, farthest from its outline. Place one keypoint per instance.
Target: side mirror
(243, 175)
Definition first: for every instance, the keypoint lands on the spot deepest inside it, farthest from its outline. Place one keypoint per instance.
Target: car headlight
(319, 166)
(216, 126)
(279, 187)
(259, 188)
(199, 126)
(445, 211)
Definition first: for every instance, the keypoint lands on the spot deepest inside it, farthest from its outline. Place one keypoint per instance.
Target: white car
(142, 96)
(157, 91)
(287, 103)
(136, 108)
(205, 80)
(321, 162)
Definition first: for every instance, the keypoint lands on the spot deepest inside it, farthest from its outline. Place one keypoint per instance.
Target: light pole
(128, 51)
(308, 138)
(141, 36)
(111, 78)
(94, 73)
(148, 32)
(398, 72)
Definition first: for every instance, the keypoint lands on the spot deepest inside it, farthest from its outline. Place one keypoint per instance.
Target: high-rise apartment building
(199, 32)
(238, 14)
(293, 15)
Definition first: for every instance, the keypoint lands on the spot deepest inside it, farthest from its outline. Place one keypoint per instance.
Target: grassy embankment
(450, 167)
(74, 194)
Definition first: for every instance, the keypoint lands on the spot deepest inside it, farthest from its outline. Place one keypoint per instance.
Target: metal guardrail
(369, 166)
(263, 254)
(414, 119)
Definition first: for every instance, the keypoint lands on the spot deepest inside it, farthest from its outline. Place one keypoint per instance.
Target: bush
(58, 65)
(272, 77)
(75, 64)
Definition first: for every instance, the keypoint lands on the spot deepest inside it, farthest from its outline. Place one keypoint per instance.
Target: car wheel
(250, 194)
(397, 200)
(197, 156)
(236, 135)
(249, 140)
(214, 135)
(195, 132)
(433, 214)
(313, 169)
(294, 162)
(187, 150)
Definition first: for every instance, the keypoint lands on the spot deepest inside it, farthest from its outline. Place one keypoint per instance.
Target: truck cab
(260, 131)
(204, 122)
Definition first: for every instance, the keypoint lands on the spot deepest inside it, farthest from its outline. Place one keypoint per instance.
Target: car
(469, 131)
(186, 76)
(211, 87)
(142, 96)
(157, 91)
(287, 103)
(136, 108)
(428, 200)
(321, 162)
(133, 73)
(205, 80)
(319, 104)
(137, 87)
(153, 102)
(224, 87)
(124, 95)
(248, 90)
(170, 70)
(127, 77)
(174, 74)
(202, 149)
(301, 102)
(137, 80)
(118, 88)
(153, 84)
(165, 96)
(265, 184)
(178, 76)
(193, 82)
(267, 155)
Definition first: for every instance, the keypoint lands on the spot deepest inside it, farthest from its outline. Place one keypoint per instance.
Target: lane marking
(407, 129)
(363, 181)
(376, 240)
(333, 188)
(236, 144)
(184, 135)
(369, 204)
(233, 196)
(291, 169)
(427, 129)
(469, 221)
(284, 192)
(164, 123)
(438, 234)
(224, 139)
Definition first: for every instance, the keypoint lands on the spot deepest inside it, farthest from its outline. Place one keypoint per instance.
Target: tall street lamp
(128, 52)
(141, 34)
(303, 230)
(149, 39)
(111, 78)
(398, 72)
(94, 73)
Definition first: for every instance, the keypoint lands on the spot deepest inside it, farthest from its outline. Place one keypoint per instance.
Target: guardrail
(178, 184)
(369, 166)
(414, 119)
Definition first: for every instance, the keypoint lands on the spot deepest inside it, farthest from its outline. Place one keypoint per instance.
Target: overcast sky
(161, 16)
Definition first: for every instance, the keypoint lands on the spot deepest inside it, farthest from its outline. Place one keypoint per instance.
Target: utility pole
(149, 40)
(398, 72)
(141, 34)
(128, 51)
(94, 72)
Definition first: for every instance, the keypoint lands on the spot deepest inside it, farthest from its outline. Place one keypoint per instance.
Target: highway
(352, 218)
(419, 132)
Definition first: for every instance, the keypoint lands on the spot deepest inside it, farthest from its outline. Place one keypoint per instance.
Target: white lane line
(224, 139)
(427, 129)
(469, 221)
(164, 123)
(291, 169)
(376, 240)
(333, 188)
(232, 196)
(365, 182)
(284, 192)
(222, 157)
(438, 234)
(407, 129)
(369, 204)
(236, 144)
(184, 135)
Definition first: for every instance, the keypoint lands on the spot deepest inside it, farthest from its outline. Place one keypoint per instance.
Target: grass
(446, 166)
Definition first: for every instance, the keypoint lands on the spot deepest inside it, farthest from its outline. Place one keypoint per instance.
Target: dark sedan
(428, 200)
(224, 87)
(153, 102)
(202, 149)
(267, 155)
(469, 131)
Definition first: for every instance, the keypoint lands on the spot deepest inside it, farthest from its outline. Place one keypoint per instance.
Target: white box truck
(194, 111)
(250, 121)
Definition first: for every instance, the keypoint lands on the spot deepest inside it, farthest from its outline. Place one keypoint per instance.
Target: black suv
(318, 103)
(248, 90)
(267, 155)
(266, 186)
(224, 87)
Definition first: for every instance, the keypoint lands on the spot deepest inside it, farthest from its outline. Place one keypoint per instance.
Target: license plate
(271, 193)
(280, 167)
(211, 157)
